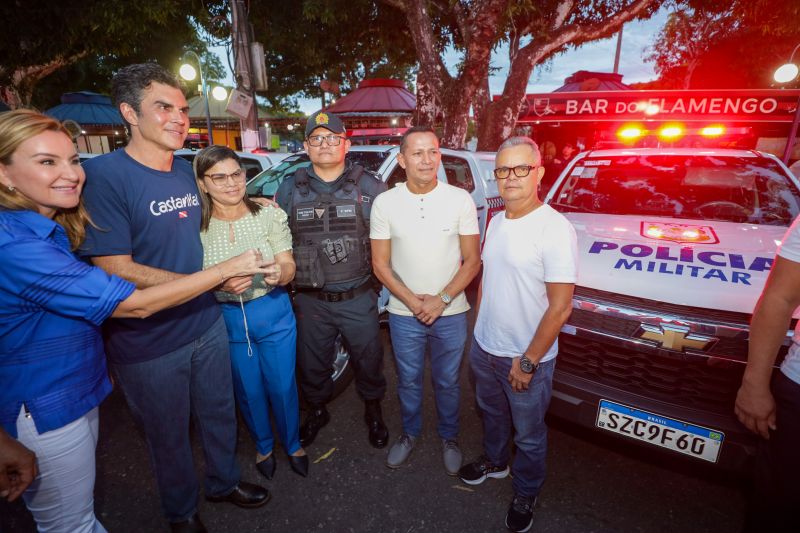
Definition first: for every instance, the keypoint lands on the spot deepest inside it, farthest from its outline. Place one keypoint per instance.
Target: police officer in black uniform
(329, 205)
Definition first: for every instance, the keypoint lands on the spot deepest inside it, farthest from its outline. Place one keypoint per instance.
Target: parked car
(674, 248)
(253, 164)
(471, 171)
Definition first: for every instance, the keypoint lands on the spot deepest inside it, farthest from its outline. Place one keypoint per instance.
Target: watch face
(526, 365)
(445, 297)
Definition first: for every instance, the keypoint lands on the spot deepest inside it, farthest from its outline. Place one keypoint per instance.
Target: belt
(338, 296)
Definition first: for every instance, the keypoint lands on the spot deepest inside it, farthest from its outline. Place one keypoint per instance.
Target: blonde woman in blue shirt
(53, 372)
(260, 320)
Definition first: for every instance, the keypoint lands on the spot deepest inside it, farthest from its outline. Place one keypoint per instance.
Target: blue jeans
(446, 337)
(524, 411)
(162, 394)
(263, 370)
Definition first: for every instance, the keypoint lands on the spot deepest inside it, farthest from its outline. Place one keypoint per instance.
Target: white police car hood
(698, 263)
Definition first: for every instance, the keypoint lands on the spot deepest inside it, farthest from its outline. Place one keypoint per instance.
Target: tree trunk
(455, 95)
(425, 113)
(10, 96)
(23, 80)
(690, 68)
(501, 114)
(455, 109)
(481, 101)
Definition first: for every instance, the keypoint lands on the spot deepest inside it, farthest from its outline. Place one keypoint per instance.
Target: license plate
(688, 439)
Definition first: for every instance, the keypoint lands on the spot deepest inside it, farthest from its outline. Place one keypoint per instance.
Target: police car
(674, 248)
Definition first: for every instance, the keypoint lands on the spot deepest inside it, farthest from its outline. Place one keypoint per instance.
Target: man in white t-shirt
(774, 412)
(529, 272)
(425, 251)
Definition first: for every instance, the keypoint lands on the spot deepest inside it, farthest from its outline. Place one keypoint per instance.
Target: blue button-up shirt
(51, 307)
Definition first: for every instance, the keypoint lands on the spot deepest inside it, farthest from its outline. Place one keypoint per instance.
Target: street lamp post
(785, 74)
(187, 72)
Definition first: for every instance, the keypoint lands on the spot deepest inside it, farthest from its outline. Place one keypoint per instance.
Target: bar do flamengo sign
(686, 106)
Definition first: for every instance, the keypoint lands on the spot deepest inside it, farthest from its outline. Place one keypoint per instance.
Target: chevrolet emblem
(675, 338)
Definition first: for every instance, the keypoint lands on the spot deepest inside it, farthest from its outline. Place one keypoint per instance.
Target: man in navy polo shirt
(175, 364)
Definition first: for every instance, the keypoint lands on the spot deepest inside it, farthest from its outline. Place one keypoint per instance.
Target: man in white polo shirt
(425, 251)
(529, 273)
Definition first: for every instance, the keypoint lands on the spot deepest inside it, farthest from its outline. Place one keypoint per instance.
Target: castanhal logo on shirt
(174, 204)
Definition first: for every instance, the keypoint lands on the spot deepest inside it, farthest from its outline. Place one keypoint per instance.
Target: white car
(674, 248)
(253, 164)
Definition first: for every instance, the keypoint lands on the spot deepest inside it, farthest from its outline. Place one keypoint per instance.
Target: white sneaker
(400, 450)
(451, 456)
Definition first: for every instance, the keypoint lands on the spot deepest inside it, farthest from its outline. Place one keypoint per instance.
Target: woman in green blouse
(259, 317)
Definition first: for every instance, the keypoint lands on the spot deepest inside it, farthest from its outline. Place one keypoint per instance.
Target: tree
(90, 39)
(535, 30)
(343, 41)
(685, 39)
(715, 44)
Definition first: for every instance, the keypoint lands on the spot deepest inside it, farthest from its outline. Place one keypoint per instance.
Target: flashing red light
(671, 132)
(712, 131)
(630, 133)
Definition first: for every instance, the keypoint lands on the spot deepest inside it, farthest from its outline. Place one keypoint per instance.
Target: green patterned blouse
(267, 231)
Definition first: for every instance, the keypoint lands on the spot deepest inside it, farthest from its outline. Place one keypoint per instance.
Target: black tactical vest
(329, 234)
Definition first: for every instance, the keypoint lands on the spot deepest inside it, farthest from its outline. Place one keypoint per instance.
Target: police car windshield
(266, 183)
(371, 161)
(755, 190)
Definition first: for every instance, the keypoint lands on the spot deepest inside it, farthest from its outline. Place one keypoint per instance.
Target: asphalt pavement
(594, 484)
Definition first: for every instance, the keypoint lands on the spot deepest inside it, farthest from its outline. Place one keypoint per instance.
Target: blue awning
(87, 108)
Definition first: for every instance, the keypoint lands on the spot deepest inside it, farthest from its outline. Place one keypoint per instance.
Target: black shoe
(267, 466)
(316, 419)
(520, 513)
(477, 472)
(247, 495)
(378, 434)
(192, 525)
(299, 464)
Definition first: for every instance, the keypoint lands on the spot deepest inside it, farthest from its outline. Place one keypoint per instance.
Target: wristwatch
(526, 365)
(445, 298)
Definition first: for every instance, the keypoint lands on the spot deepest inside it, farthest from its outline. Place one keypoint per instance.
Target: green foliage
(726, 44)
(103, 34)
(343, 41)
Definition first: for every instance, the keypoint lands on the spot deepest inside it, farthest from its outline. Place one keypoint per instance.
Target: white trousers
(61, 498)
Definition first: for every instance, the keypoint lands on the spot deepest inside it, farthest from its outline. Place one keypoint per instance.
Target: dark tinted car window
(251, 167)
(398, 176)
(458, 173)
(755, 190)
(371, 161)
(267, 182)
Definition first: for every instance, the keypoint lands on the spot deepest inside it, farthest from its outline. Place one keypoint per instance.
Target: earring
(10, 188)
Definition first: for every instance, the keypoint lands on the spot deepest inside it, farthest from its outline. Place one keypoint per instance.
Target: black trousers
(775, 502)
(318, 323)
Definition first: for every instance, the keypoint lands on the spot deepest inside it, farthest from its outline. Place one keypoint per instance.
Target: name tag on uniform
(345, 211)
(304, 213)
